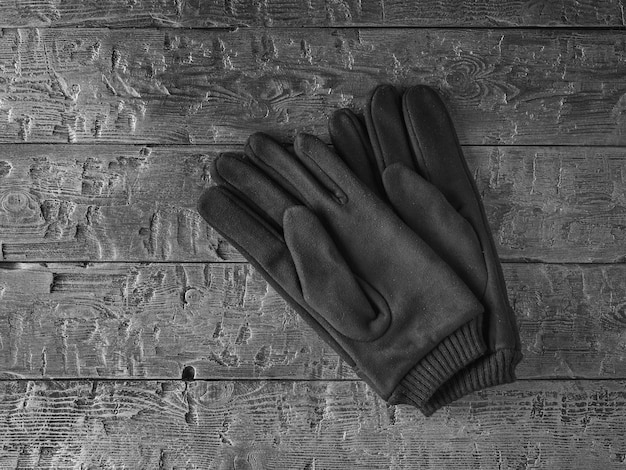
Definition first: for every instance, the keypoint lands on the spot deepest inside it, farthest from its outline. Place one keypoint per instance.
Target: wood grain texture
(112, 287)
(135, 203)
(202, 86)
(255, 425)
(105, 203)
(136, 320)
(284, 13)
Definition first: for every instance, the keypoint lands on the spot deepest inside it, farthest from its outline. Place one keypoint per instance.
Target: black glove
(410, 157)
(372, 288)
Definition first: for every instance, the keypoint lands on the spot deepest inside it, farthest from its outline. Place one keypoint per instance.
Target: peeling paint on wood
(125, 320)
(272, 13)
(79, 222)
(511, 86)
(137, 320)
(133, 203)
(553, 204)
(307, 425)
(105, 203)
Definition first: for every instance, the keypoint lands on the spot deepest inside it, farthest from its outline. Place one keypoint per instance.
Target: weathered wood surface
(123, 203)
(105, 203)
(133, 320)
(213, 13)
(108, 274)
(513, 86)
(307, 425)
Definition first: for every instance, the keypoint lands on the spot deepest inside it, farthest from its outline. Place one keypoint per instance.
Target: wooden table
(113, 289)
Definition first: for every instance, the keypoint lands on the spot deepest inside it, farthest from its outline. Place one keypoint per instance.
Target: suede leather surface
(367, 283)
(409, 155)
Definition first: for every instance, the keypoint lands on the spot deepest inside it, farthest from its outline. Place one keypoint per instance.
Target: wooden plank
(136, 320)
(133, 203)
(272, 13)
(106, 203)
(509, 86)
(306, 425)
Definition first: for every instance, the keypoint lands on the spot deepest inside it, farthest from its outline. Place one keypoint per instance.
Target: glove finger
(430, 129)
(286, 170)
(351, 142)
(328, 284)
(437, 152)
(385, 125)
(242, 226)
(432, 217)
(260, 244)
(325, 165)
(252, 185)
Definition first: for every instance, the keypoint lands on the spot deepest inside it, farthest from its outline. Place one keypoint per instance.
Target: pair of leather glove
(381, 245)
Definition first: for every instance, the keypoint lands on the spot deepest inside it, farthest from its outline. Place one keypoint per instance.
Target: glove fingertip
(209, 204)
(260, 145)
(304, 143)
(256, 139)
(384, 92)
(423, 94)
(424, 107)
(341, 121)
(222, 162)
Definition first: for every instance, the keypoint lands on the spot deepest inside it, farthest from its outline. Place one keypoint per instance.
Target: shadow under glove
(369, 285)
(410, 156)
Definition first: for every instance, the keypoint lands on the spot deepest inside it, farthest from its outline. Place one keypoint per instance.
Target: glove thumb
(427, 212)
(328, 284)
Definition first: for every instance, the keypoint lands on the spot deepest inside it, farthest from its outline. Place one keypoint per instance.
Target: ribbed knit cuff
(496, 368)
(452, 354)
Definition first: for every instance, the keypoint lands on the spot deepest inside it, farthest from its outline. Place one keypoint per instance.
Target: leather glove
(369, 285)
(409, 155)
